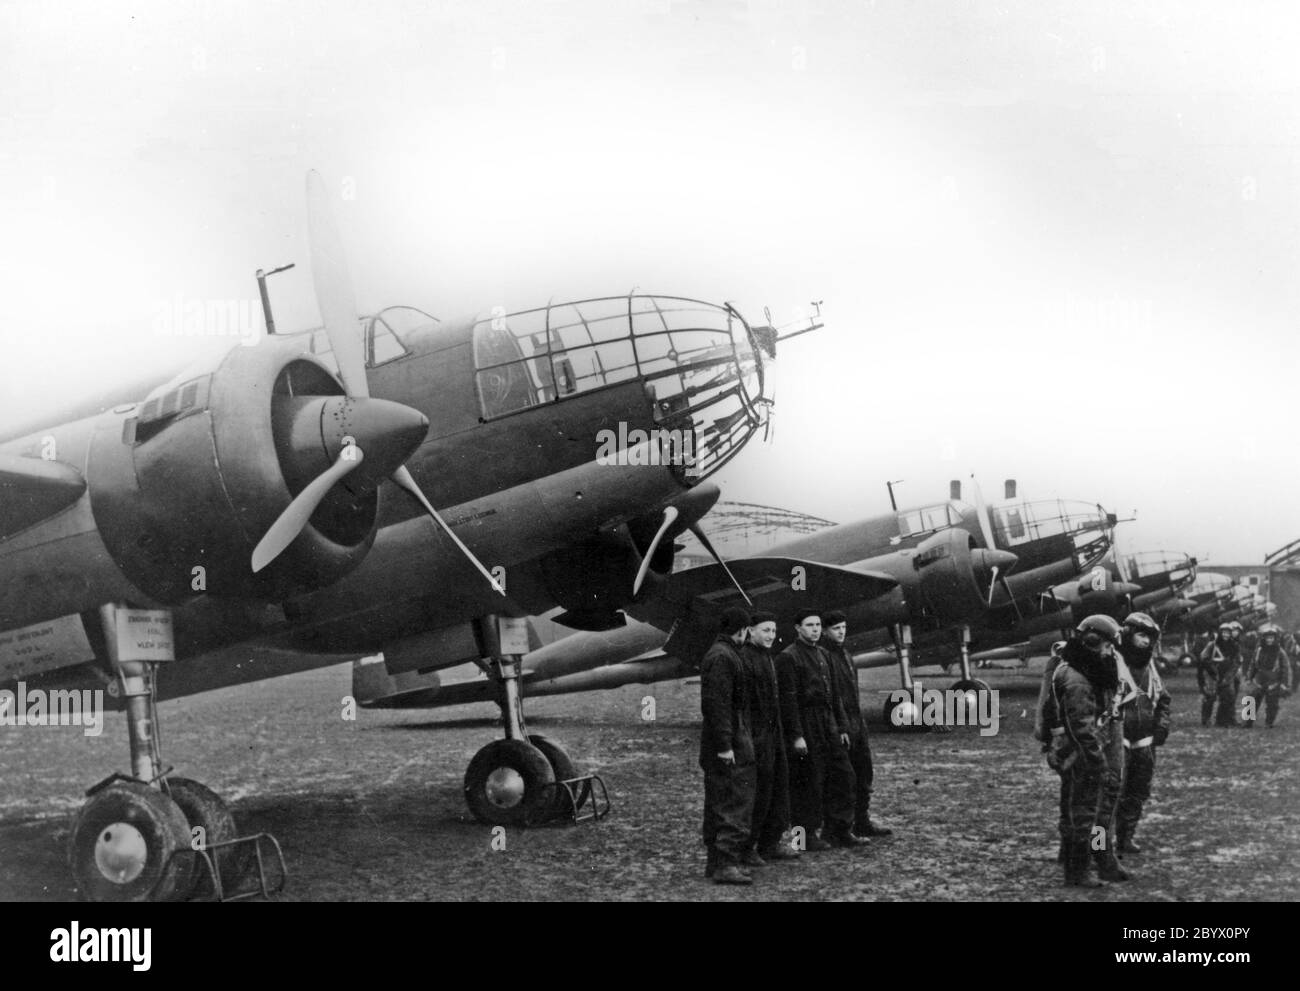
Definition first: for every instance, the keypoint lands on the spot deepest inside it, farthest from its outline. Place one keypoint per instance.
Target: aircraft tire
(560, 763)
(1186, 661)
(505, 784)
(888, 713)
(123, 843)
(204, 809)
(971, 684)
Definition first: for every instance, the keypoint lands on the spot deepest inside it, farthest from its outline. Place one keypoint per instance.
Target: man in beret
(835, 630)
(727, 752)
(817, 731)
(772, 794)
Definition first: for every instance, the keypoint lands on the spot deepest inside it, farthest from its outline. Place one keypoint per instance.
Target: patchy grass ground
(372, 809)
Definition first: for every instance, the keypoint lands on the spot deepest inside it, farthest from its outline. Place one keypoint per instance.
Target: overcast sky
(1058, 242)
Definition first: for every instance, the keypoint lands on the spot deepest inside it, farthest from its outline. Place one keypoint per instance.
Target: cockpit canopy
(1180, 568)
(1033, 530)
(698, 362)
(383, 336)
(1210, 582)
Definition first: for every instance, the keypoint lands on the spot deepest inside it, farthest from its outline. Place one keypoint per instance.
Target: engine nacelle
(208, 463)
(946, 572)
(593, 580)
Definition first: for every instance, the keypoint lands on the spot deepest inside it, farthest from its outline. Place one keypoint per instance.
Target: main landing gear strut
(153, 836)
(901, 713)
(907, 717)
(524, 779)
(967, 683)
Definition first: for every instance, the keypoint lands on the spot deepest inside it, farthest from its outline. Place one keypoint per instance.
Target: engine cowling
(944, 578)
(207, 464)
(946, 572)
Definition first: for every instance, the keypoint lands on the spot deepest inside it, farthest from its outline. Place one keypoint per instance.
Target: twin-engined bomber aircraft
(273, 510)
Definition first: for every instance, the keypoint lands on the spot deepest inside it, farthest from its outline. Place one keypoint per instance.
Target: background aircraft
(945, 569)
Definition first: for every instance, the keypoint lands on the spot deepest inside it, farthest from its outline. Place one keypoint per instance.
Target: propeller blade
(1006, 587)
(670, 514)
(403, 478)
(986, 527)
(705, 543)
(295, 517)
(993, 581)
(334, 296)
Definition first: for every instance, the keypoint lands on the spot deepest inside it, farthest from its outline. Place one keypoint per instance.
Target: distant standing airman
(1268, 672)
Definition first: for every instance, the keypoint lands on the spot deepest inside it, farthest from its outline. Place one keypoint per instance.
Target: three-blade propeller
(998, 575)
(338, 310)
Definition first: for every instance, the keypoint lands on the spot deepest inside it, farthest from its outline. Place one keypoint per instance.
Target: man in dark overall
(821, 777)
(1268, 672)
(727, 752)
(835, 630)
(772, 794)
(1217, 676)
(1146, 726)
(1090, 750)
(1050, 732)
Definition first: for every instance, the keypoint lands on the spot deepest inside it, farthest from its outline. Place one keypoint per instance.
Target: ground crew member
(817, 736)
(772, 789)
(727, 752)
(1268, 672)
(1047, 728)
(1146, 725)
(835, 630)
(1216, 676)
(1082, 700)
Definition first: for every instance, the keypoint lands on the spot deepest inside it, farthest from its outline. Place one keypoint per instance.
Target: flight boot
(1124, 842)
(779, 852)
(867, 827)
(848, 839)
(1108, 868)
(752, 858)
(814, 843)
(731, 874)
(1076, 867)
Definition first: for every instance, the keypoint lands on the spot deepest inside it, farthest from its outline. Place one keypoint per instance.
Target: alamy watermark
(38, 707)
(656, 446)
(188, 317)
(954, 707)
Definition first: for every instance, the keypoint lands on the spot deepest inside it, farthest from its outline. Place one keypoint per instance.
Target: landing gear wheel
(123, 843)
(1186, 661)
(505, 783)
(972, 701)
(561, 765)
(911, 721)
(204, 809)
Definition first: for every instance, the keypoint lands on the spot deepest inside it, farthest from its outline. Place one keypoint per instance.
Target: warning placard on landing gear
(43, 647)
(514, 635)
(144, 634)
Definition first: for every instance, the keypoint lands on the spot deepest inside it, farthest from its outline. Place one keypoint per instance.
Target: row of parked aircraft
(409, 491)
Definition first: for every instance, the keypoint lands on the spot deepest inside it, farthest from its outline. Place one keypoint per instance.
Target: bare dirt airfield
(372, 810)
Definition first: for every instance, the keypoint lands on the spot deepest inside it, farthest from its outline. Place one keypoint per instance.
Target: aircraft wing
(664, 640)
(689, 603)
(33, 489)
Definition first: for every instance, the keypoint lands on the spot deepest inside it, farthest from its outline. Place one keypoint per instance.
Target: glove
(1160, 735)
